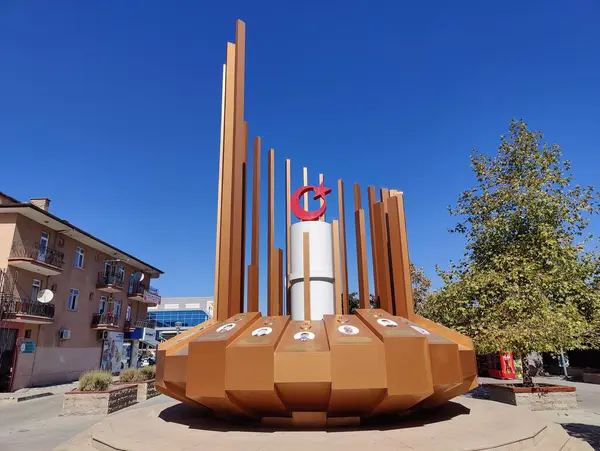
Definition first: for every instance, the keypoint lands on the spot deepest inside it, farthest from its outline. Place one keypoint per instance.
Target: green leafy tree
(421, 287)
(527, 281)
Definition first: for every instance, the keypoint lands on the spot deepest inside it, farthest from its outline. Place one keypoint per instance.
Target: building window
(117, 308)
(44, 239)
(73, 299)
(79, 256)
(102, 306)
(27, 333)
(128, 312)
(187, 318)
(35, 289)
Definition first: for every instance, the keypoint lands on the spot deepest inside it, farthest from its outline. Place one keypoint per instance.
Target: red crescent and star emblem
(320, 192)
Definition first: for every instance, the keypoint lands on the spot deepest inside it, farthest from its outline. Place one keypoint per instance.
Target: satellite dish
(45, 296)
(138, 276)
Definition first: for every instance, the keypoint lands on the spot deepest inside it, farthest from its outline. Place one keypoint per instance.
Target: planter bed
(539, 397)
(145, 390)
(100, 402)
(591, 377)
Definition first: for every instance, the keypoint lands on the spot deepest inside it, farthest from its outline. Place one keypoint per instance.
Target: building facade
(97, 294)
(181, 313)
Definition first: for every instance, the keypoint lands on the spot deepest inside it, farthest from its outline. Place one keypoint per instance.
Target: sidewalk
(26, 394)
(583, 423)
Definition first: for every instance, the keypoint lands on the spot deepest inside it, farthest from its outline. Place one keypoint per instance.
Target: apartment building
(99, 298)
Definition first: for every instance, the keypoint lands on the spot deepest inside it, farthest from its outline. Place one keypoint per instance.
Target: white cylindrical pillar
(321, 270)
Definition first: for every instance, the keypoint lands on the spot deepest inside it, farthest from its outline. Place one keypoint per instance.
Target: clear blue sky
(112, 108)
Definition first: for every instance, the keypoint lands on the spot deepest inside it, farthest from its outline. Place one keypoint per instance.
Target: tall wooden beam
(219, 199)
(357, 197)
(361, 259)
(237, 272)
(306, 275)
(224, 292)
(372, 198)
(253, 269)
(271, 282)
(288, 235)
(244, 218)
(337, 293)
(385, 195)
(403, 295)
(383, 262)
(344, 263)
(279, 281)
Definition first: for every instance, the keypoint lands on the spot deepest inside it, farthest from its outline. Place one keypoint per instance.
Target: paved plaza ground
(36, 425)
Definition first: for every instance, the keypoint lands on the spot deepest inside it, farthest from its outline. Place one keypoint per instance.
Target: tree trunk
(527, 379)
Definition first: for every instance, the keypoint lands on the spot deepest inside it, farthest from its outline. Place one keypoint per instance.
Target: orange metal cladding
(337, 371)
(219, 195)
(372, 198)
(306, 275)
(272, 300)
(361, 250)
(288, 234)
(244, 218)
(344, 263)
(403, 296)
(224, 266)
(237, 272)
(279, 281)
(383, 262)
(337, 295)
(253, 269)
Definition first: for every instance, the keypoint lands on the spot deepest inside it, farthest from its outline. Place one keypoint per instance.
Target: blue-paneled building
(180, 312)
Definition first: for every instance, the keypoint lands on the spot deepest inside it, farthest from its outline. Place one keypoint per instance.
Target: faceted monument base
(341, 370)
(463, 424)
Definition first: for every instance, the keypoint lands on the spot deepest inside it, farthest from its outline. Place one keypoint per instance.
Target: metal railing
(105, 319)
(139, 288)
(11, 306)
(132, 324)
(33, 251)
(110, 279)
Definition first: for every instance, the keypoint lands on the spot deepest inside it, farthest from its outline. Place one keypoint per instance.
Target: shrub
(147, 373)
(129, 375)
(95, 381)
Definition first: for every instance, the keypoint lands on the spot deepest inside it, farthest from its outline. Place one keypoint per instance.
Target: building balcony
(105, 321)
(22, 310)
(35, 258)
(143, 293)
(140, 323)
(109, 283)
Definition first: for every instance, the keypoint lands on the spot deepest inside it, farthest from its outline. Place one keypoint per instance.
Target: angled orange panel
(358, 366)
(206, 366)
(303, 367)
(250, 367)
(405, 388)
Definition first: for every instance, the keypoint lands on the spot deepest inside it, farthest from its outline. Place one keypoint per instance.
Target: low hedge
(142, 374)
(95, 381)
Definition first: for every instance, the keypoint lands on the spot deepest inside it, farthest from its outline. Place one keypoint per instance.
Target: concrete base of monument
(464, 424)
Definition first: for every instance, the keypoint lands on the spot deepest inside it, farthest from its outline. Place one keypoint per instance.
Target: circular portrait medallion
(387, 322)
(304, 336)
(348, 329)
(261, 331)
(225, 327)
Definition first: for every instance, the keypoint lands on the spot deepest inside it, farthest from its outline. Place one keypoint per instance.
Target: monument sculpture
(309, 361)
